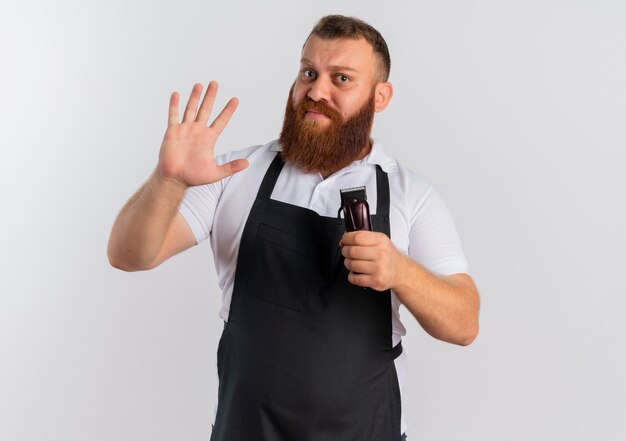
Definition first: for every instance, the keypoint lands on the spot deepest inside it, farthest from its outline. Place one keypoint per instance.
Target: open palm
(187, 151)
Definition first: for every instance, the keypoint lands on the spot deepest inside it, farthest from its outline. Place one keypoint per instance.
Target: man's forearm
(445, 306)
(141, 227)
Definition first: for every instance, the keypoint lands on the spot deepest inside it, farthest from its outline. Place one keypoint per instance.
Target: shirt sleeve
(433, 238)
(199, 204)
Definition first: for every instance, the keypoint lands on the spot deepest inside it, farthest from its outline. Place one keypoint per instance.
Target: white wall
(514, 110)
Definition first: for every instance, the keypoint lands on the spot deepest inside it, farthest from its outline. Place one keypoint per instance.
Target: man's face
(331, 105)
(341, 72)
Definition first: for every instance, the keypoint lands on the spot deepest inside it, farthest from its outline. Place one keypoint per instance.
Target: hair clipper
(355, 209)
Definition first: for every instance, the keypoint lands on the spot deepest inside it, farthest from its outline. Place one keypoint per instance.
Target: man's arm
(149, 229)
(446, 307)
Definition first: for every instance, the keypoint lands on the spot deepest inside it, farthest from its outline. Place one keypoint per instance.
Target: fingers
(366, 281)
(368, 275)
(172, 117)
(360, 266)
(192, 104)
(364, 245)
(359, 279)
(201, 115)
(225, 115)
(360, 252)
(207, 103)
(361, 238)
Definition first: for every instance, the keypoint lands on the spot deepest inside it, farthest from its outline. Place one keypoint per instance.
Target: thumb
(232, 167)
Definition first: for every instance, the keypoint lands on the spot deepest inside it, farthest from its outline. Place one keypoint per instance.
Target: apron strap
(269, 181)
(382, 191)
(396, 351)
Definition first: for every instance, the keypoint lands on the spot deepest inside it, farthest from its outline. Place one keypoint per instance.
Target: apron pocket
(283, 268)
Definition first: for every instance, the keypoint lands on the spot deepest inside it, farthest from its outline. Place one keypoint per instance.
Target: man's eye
(309, 73)
(342, 78)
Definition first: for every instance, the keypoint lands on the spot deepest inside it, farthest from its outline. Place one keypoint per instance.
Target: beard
(324, 147)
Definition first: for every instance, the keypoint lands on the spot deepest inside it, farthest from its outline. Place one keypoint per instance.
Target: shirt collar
(376, 156)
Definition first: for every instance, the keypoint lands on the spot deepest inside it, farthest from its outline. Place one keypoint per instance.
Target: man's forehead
(353, 54)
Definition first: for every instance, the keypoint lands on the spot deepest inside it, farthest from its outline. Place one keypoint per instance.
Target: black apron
(305, 354)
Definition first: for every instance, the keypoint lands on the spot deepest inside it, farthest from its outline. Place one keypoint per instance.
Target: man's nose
(319, 90)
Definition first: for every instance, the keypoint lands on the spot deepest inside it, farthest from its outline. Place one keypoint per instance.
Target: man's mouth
(315, 115)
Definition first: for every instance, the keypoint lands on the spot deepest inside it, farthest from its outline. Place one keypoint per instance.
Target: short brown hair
(339, 26)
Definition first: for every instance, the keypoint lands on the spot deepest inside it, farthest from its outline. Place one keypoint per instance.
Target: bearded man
(311, 347)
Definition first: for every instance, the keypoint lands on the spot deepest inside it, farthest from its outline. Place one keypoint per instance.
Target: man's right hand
(149, 229)
(187, 152)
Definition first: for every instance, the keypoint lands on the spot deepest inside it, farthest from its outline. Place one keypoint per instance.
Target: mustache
(318, 106)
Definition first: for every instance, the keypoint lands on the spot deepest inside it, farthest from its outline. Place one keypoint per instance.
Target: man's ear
(382, 95)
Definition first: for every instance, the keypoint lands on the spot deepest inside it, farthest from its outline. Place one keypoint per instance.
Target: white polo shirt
(421, 224)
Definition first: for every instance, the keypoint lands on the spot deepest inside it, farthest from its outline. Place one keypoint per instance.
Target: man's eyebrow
(334, 67)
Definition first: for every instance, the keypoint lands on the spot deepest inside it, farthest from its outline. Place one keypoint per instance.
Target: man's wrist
(406, 272)
(167, 184)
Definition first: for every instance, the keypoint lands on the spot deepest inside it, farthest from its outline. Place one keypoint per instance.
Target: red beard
(313, 147)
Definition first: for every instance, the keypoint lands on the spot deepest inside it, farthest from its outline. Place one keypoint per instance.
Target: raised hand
(187, 152)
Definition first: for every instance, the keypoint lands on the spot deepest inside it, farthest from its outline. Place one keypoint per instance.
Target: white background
(514, 110)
